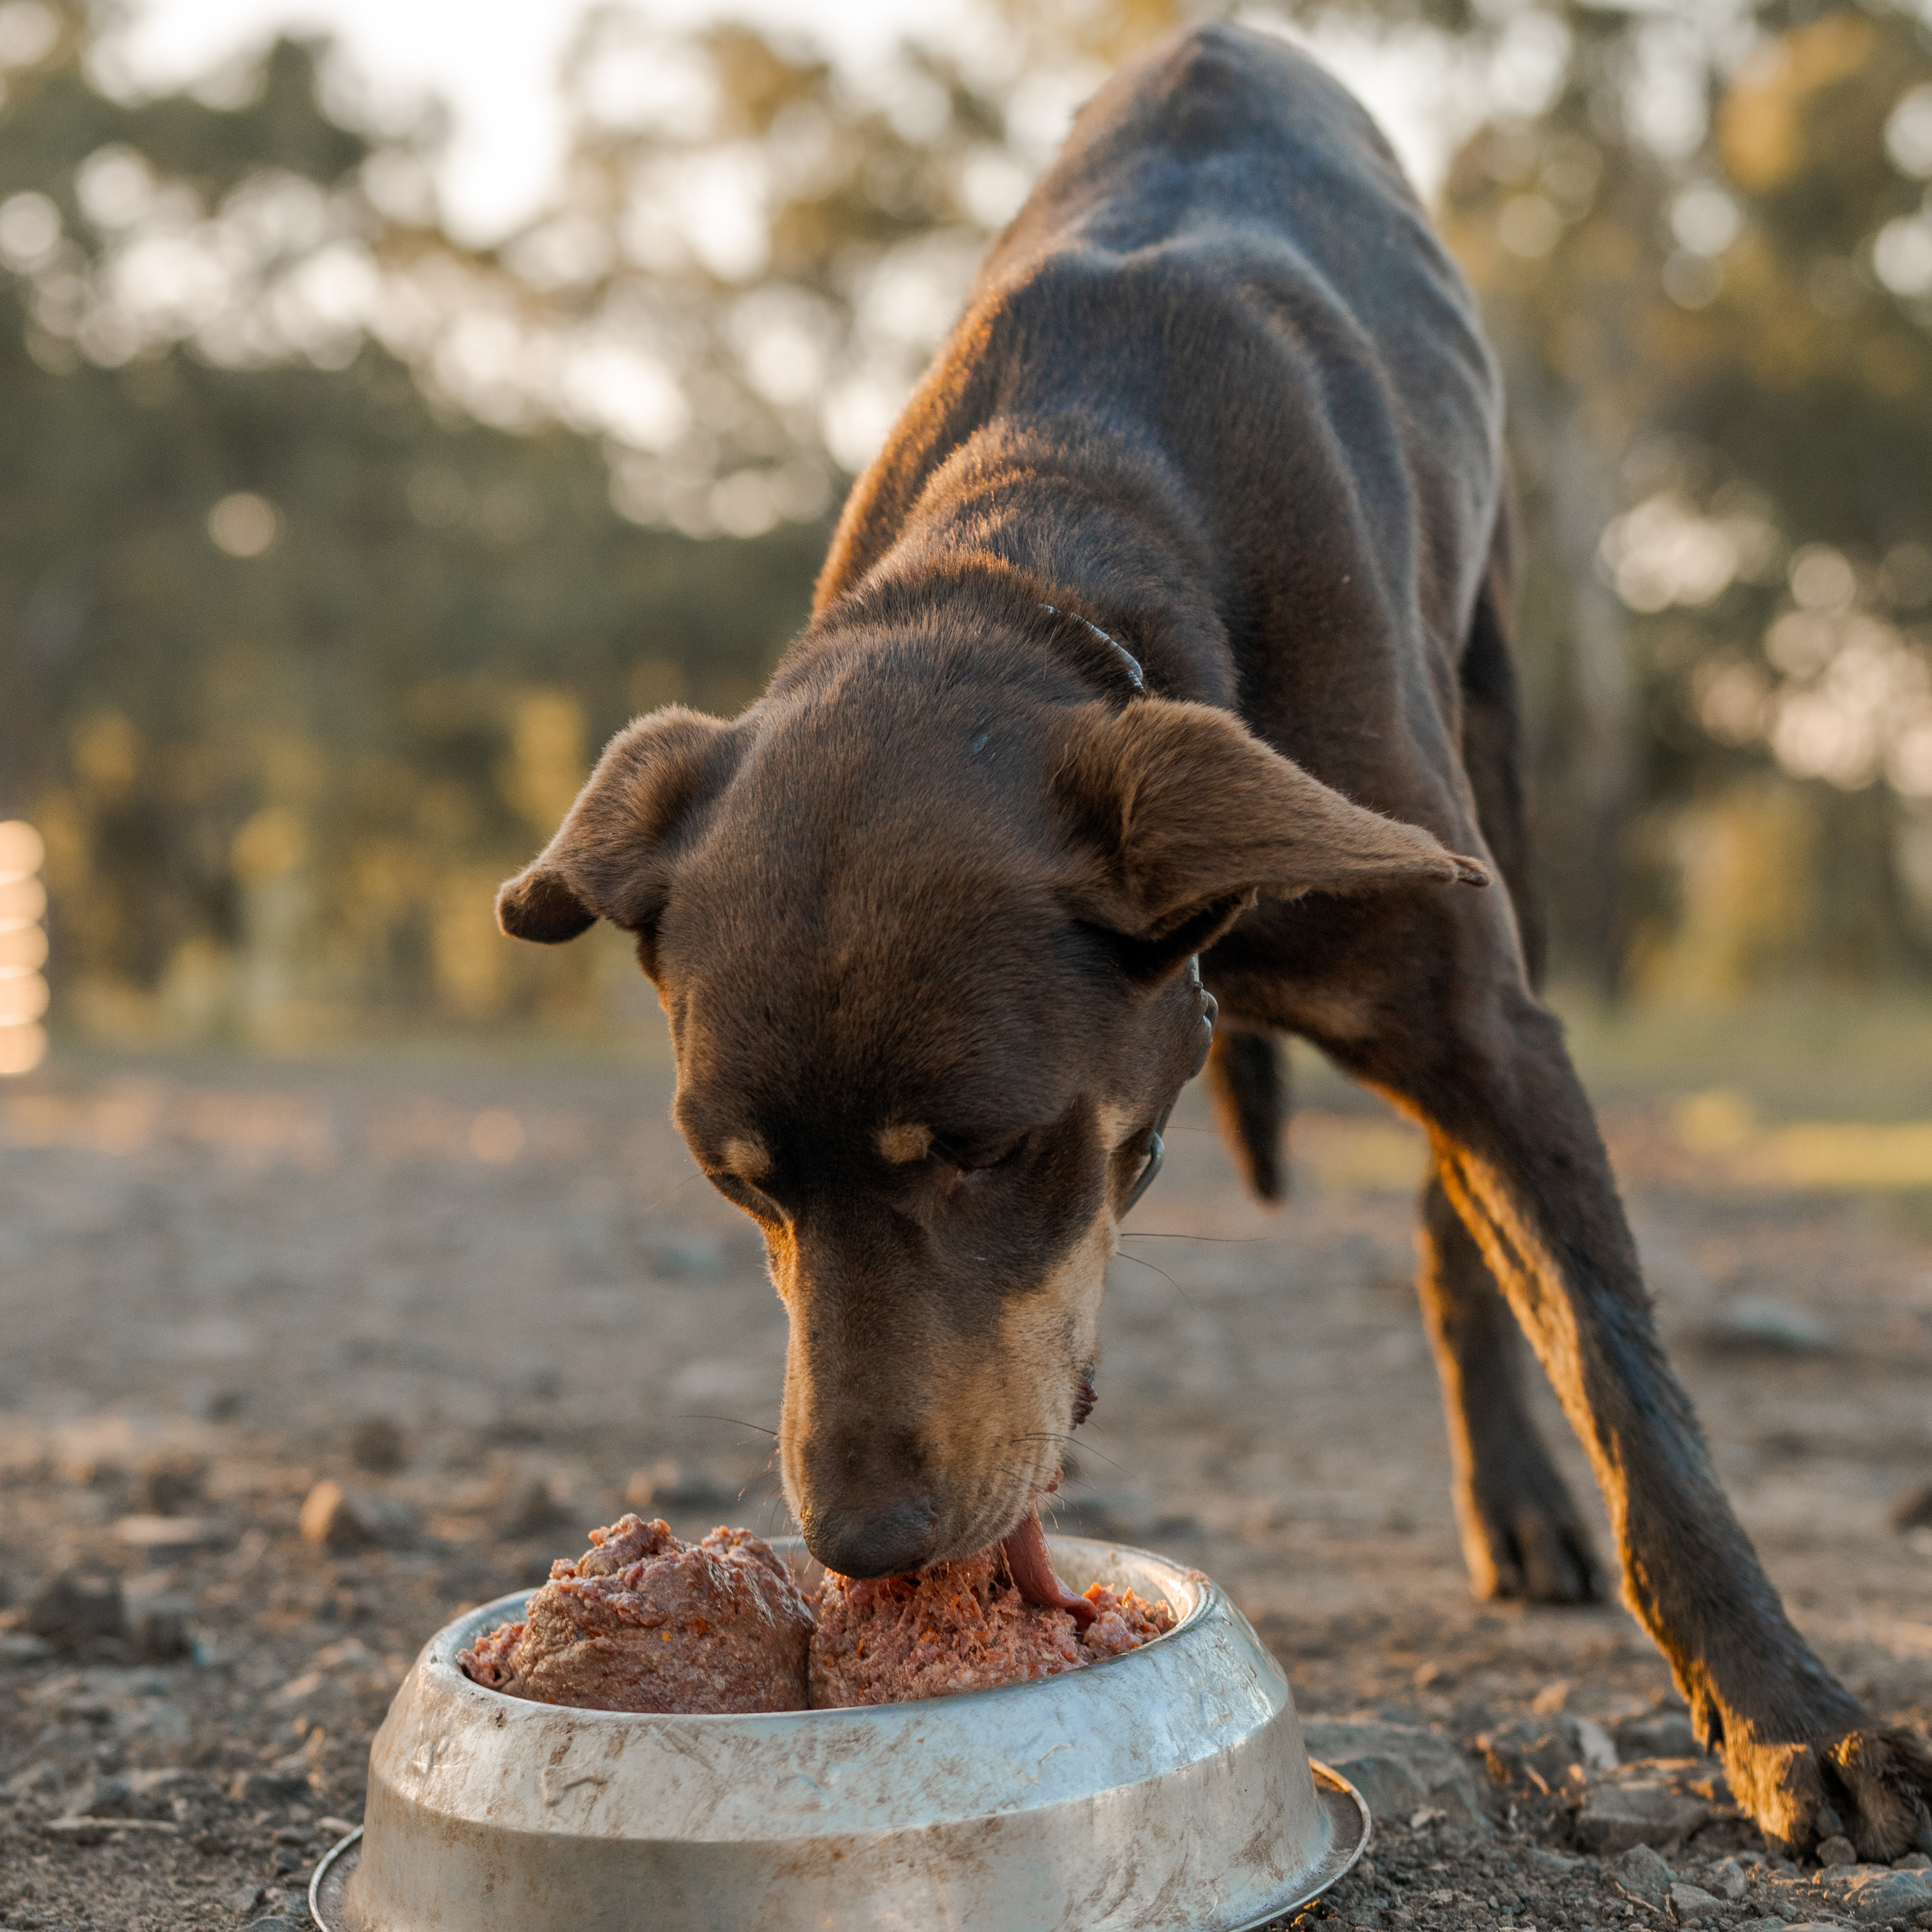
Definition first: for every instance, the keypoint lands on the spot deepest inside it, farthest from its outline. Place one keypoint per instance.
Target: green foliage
(333, 546)
(1722, 381)
(278, 788)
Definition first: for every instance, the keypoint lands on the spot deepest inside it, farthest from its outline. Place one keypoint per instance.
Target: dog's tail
(1247, 1075)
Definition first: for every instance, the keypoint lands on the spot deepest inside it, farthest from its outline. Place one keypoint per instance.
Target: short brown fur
(1172, 620)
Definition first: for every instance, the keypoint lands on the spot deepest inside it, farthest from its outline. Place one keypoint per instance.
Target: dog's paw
(1874, 1787)
(1530, 1552)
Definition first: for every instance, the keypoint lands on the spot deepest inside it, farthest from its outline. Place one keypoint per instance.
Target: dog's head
(922, 942)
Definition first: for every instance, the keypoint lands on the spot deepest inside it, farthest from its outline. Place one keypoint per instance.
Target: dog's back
(1226, 287)
(1228, 162)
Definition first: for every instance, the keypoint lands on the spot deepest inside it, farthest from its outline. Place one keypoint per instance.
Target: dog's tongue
(1031, 1569)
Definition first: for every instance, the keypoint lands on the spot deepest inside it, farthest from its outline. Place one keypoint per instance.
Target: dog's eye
(984, 1160)
(742, 1194)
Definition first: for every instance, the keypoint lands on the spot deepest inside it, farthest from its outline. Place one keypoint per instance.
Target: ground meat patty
(958, 1627)
(642, 1622)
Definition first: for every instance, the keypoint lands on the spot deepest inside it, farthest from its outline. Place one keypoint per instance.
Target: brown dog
(1175, 610)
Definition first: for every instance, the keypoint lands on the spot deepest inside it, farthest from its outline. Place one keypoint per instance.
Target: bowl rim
(439, 1653)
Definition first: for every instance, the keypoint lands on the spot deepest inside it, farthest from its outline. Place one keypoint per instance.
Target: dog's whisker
(735, 1421)
(1164, 1275)
(1222, 1240)
(1086, 1449)
(677, 1188)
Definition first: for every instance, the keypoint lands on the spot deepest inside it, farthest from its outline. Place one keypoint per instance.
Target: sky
(492, 63)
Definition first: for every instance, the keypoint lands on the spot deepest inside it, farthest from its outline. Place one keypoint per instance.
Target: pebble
(1643, 1875)
(158, 1626)
(531, 1510)
(269, 1788)
(218, 1405)
(163, 1536)
(1415, 1769)
(110, 1798)
(1658, 1734)
(1599, 1751)
(1692, 1901)
(73, 1606)
(1837, 1851)
(1546, 1753)
(337, 1520)
(1731, 1879)
(1913, 1511)
(171, 1486)
(1877, 1894)
(330, 1519)
(1388, 1787)
(378, 1444)
(1641, 1812)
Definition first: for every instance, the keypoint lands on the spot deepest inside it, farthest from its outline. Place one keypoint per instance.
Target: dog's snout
(885, 1543)
(866, 1499)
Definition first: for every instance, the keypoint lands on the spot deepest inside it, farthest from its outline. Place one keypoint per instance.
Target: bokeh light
(23, 948)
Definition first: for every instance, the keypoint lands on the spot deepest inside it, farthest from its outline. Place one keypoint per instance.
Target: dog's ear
(611, 857)
(1191, 816)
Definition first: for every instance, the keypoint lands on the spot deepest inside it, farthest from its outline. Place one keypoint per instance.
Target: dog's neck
(1092, 537)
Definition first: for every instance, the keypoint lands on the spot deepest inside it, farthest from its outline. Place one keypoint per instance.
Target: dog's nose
(885, 1544)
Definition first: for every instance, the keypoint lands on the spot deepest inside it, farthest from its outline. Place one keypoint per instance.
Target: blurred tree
(335, 544)
(1713, 311)
(752, 255)
(294, 663)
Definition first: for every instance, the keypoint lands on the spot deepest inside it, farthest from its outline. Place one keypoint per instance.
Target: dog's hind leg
(1522, 1536)
(1247, 1075)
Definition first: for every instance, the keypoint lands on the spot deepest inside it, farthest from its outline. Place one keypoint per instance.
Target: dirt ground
(493, 1301)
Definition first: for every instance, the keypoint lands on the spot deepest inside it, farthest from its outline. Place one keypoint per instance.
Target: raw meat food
(959, 1626)
(642, 1622)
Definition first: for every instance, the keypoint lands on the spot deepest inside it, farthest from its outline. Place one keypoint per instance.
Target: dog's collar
(1135, 674)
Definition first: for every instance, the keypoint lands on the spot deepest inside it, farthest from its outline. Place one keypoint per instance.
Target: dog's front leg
(1519, 1157)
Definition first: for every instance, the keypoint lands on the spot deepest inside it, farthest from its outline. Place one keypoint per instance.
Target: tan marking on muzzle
(998, 1421)
(909, 1141)
(747, 1156)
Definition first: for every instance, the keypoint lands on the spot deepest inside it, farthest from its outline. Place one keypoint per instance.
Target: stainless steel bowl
(1167, 1790)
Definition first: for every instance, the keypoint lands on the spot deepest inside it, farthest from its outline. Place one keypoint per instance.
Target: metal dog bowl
(1167, 1788)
